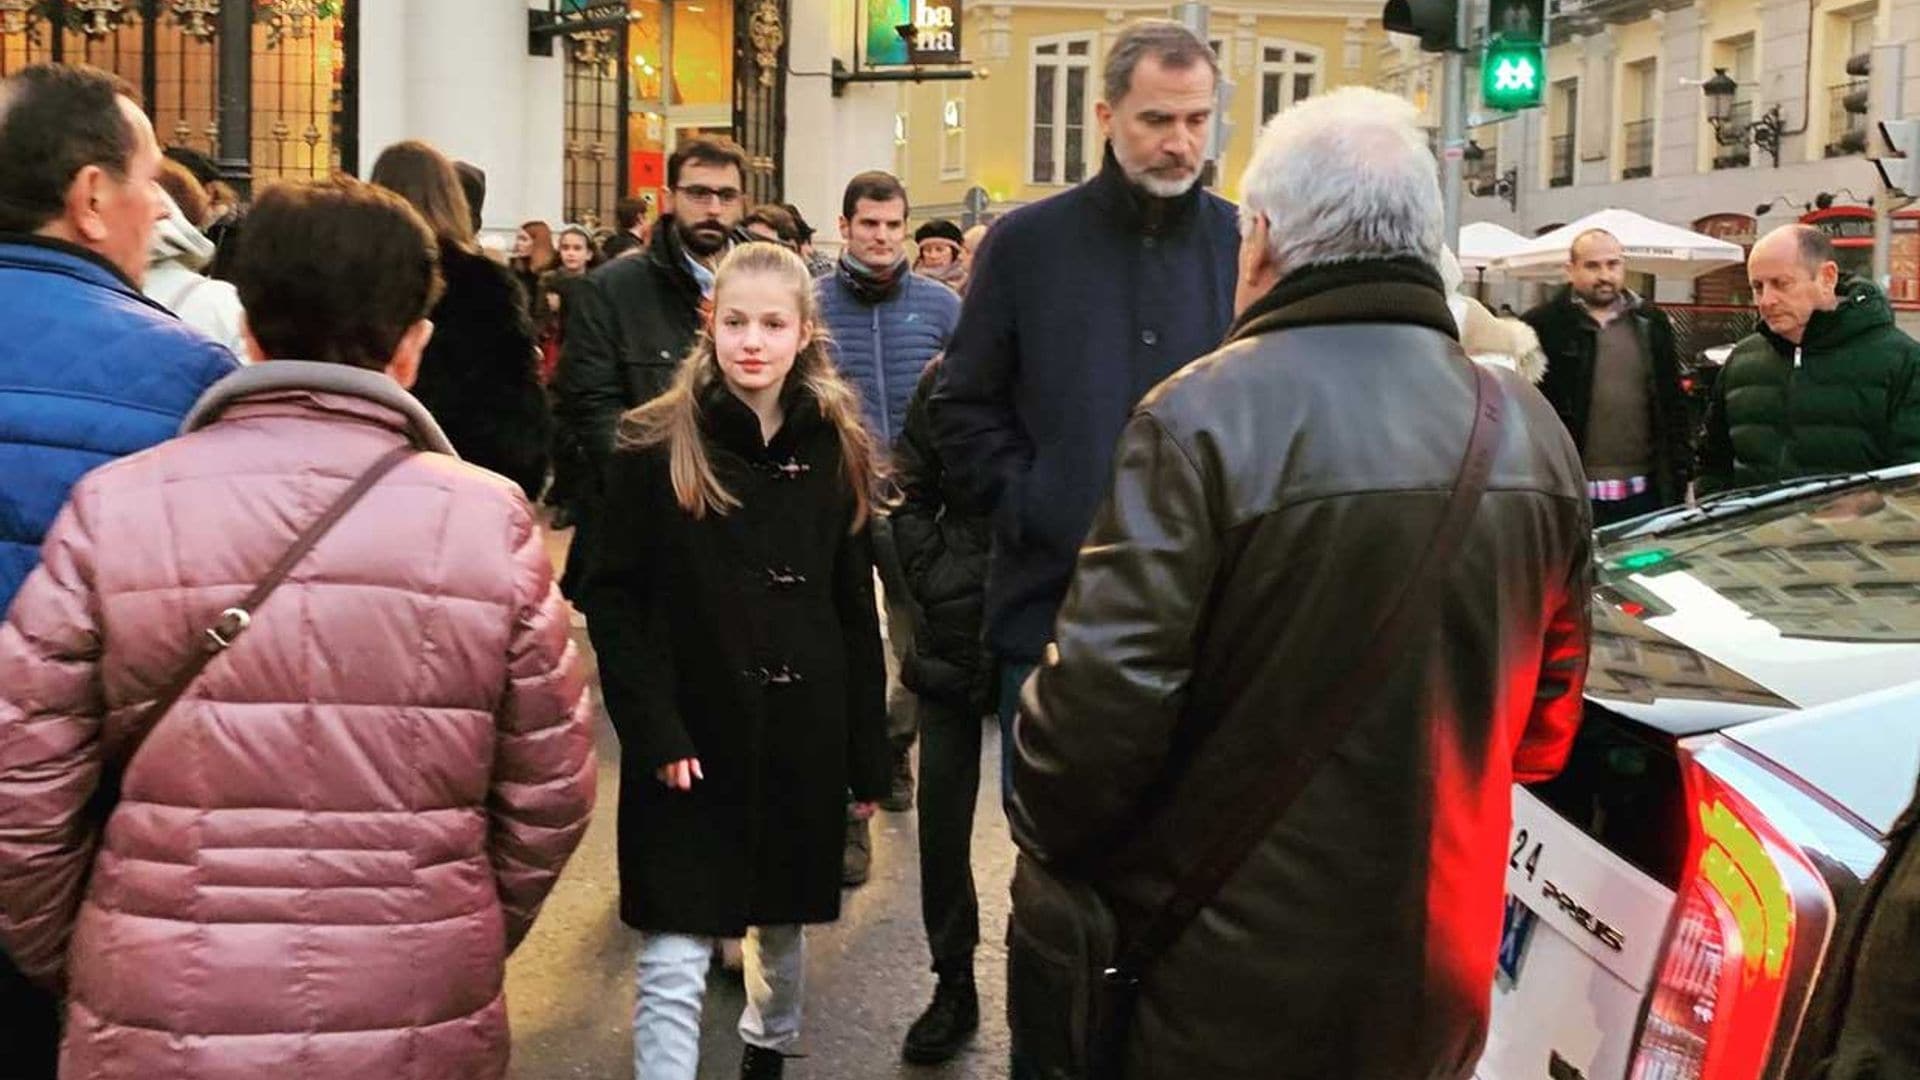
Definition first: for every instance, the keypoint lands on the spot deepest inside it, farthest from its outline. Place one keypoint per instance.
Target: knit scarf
(953, 275)
(871, 286)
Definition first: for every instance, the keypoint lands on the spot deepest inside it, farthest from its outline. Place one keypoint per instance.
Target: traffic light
(1513, 74)
(1435, 22)
(1517, 20)
(1896, 153)
(1513, 71)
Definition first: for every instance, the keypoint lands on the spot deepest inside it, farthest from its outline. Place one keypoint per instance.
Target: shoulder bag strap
(1331, 712)
(234, 621)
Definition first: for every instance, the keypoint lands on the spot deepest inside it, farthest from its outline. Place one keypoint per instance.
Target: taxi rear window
(1622, 787)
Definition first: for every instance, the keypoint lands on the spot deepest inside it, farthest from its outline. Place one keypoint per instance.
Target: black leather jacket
(1266, 505)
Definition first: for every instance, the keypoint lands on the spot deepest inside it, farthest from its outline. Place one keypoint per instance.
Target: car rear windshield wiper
(1741, 500)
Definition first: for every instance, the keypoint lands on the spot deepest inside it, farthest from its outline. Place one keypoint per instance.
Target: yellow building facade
(1025, 128)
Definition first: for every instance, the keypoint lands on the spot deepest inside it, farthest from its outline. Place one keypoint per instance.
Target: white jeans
(671, 985)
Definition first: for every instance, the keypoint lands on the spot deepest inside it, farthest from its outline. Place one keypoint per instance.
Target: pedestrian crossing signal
(1512, 74)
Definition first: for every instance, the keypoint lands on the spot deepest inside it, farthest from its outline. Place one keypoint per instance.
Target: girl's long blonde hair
(673, 418)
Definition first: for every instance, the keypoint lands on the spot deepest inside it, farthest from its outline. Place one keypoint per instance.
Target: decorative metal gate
(760, 95)
(596, 104)
(267, 88)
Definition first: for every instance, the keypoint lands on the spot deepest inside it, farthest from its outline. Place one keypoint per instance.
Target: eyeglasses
(706, 196)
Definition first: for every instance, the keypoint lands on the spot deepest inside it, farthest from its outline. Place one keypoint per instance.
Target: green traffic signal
(1512, 75)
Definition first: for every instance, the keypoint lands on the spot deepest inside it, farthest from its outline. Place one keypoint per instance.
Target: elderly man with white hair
(1333, 608)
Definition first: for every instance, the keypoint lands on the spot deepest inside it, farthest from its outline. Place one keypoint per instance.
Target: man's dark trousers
(29, 1027)
(949, 788)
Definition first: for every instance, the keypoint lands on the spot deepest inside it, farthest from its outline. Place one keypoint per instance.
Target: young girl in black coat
(733, 611)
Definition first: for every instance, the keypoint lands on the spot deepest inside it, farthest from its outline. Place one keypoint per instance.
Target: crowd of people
(1268, 549)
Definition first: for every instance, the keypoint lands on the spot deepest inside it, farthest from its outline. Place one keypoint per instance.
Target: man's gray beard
(1165, 189)
(1153, 185)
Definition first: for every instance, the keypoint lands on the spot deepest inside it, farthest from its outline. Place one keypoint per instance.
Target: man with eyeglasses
(630, 322)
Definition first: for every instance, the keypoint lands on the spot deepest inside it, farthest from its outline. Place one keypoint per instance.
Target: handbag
(1073, 972)
(220, 636)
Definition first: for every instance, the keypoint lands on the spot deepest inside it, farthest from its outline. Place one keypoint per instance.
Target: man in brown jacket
(1268, 504)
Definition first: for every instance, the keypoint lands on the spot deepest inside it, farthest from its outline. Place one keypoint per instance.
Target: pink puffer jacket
(326, 850)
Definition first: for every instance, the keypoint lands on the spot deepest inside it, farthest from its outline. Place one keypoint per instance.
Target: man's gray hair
(1173, 45)
(1345, 176)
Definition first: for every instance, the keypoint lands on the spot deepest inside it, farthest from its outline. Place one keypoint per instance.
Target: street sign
(1512, 74)
(908, 33)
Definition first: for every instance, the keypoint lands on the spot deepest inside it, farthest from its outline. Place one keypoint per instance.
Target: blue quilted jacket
(90, 370)
(883, 347)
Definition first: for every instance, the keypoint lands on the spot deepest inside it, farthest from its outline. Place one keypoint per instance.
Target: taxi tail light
(1723, 977)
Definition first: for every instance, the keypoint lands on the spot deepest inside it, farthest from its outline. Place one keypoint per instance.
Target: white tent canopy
(1652, 247)
(1483, 244)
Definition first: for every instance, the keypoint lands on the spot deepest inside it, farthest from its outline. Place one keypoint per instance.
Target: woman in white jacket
(176, 257)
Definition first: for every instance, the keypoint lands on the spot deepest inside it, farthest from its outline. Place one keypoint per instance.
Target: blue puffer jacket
(90, 370)
(883, 347)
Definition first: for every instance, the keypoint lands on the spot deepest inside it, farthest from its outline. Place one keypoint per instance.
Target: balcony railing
(1561, 175)
(1846, 129)
(1740, 154)
(1637, 156)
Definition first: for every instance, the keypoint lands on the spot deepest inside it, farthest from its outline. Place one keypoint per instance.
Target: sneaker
(857, 858)
(760, 1063)
(946, 1025)
(900, 798)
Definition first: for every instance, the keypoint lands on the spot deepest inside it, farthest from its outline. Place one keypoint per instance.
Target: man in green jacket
(1826, 385)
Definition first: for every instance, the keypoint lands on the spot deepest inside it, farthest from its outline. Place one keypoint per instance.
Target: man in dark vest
(1613, 377)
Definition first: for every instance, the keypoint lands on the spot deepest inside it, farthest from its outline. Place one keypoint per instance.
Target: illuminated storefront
(266, 88)
(674, 70)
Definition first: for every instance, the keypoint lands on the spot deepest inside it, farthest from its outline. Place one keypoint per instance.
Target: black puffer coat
(943, 542)
(748, 640)
(478, 377)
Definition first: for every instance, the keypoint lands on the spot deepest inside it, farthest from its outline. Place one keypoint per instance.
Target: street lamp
(1763, 132)
(1481, 181)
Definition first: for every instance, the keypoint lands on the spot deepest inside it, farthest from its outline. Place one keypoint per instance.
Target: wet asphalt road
(570, 985)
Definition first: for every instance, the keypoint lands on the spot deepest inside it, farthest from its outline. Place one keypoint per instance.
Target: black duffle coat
(748, 640)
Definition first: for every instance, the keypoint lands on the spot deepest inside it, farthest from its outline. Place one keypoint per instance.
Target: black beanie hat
(940, 229)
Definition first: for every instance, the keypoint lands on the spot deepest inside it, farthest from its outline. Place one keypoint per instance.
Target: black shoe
(900, 799)
(946, 1025)
(761, 1063)
(857, 857)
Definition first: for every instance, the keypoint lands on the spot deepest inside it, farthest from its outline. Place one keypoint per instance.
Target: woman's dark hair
(424, 177)
(188, 195)
(335, 271)
(775, 217)
(803, 230)
(630, 212)
(56, 119)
